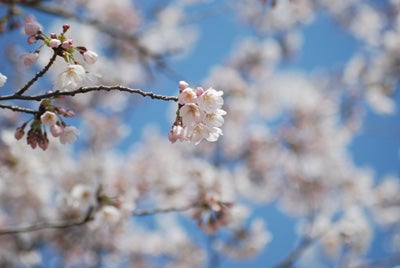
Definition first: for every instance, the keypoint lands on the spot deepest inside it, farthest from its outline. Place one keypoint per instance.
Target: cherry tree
(85, 182)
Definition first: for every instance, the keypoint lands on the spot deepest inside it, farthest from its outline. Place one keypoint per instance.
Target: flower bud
(54, 43)
(66, 44)
(19, 133)
(90, 56)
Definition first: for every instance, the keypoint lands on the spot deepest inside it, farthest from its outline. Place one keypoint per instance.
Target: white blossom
(71, 79)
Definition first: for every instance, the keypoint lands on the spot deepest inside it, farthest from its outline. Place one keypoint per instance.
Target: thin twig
(38, 75)
(148, 212)
(83, 220)
(18, 109)
(86, 90)
(49, 225)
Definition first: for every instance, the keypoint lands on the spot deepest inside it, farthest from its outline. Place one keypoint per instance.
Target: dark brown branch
(18, 109)
(38, 75)
(89, 89)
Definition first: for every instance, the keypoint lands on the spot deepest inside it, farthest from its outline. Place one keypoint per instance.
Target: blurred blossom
(29, 58)
(3, 79)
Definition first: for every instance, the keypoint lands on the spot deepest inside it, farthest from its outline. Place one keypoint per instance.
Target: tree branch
(49, 225)
(38, 75)
(86, 90)
(83, 220)
(18, 109)
(147, 212)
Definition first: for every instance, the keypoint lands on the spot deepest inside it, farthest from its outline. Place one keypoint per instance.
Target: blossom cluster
(50, 116)
(199, 115)
(75, 75)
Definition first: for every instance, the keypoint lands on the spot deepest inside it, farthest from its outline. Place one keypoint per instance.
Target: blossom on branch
(199, 115)
(50, 116)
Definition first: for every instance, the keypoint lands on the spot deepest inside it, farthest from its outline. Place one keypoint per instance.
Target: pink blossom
(31, 26)
(69, 135)
(29, 58)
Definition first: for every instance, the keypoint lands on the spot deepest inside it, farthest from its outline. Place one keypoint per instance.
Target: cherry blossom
(211, 100)
(49, 118)
(29, 58)
(69, 134)
(72, 78)
(31, 26)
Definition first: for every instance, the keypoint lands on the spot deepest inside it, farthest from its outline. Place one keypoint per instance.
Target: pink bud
(199, 91)
(19, 133)
(176, 133)
(183, 85)
(67, 44)
(65, 27)
(43, 142)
